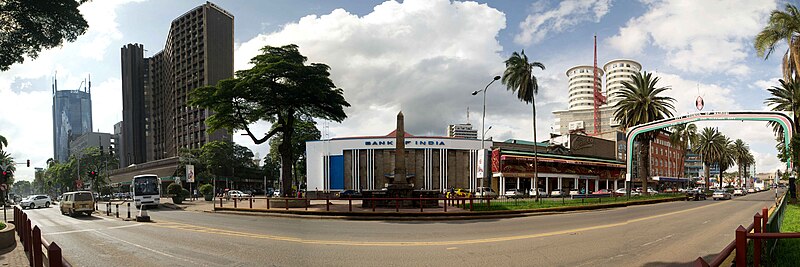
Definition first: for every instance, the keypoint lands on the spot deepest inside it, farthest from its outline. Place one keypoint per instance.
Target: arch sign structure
(784, 120)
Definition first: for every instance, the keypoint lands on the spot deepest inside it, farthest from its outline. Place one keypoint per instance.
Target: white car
(237, 193)
(574, 191)
(542, 192)
(35, 201)
(751, 190)
(513, 193)
(557, 193)
(485, 192)
(738, 192)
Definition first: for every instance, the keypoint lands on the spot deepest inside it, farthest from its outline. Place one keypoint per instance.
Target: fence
(33, 242)
(764, 228)
(459, 202)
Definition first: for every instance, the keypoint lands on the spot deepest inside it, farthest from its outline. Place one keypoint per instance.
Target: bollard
(470, 204)
(54, 255)
(251, 202)
(117, 206)
(757, 242)
(129, 210)
(96, 208)
(267, 202)
(327, 204)
(445, 205)
(488, 202)
(220, 202)
(741, 245)
(350, 204)
(397, 205)
(234, 203)
(287, 203)
(420, 203)
(37, 247)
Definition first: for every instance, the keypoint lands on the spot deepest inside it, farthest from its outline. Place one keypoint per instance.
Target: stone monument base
(395, 191)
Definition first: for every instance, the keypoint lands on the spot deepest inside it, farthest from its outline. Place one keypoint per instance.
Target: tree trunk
(285, 149)
(707, 173)
(535, 152)
(644, 162)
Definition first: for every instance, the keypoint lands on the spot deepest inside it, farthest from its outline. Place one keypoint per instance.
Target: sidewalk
(15, 255)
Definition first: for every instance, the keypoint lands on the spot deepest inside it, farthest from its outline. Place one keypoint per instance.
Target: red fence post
(764, 219)
(741, 246)
(37, 247)
(756, 242)
(488, 202)
(27, 234)
(700, 262)
(397, 205)
(54, 255)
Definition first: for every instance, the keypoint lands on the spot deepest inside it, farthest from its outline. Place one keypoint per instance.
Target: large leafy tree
(641, 102)
(786, 97)
(782, 26)
(683, 136)
(305, 130)
(518, 78)
(711, 146)
(27, 27)
(279, 88)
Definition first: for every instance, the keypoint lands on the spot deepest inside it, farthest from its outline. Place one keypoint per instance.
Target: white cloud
(424, 57)
(765, 84)
(693, 42)
(570, 13)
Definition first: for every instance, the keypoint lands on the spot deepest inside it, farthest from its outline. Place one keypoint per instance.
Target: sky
(426, 57)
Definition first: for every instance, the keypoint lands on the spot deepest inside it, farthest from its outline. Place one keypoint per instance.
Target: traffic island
(7, 236)
(283, 203)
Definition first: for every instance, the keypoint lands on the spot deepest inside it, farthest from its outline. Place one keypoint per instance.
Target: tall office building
(198, 52)
(134, 76)
(462, 131)
(72, 117)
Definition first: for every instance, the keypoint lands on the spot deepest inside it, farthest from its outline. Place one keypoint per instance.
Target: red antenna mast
(599, 99)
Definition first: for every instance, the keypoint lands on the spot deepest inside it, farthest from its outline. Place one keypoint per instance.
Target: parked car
(602, 192)
(752, 190)
(237, 193)
(36, 201)
(695, 195)
(459, 193)
(620, 191)
(574, 191)
(541, 191)
(276, 193)
(557, 193)
(349, 193)
(514, 193)
(485, 192)
(738, 192)
(721, 194)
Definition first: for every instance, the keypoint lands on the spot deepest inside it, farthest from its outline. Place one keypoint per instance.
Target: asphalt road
(665, 234)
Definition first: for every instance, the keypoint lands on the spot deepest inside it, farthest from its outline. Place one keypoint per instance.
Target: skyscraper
(198, 52)
(72, 117)
(134, 70)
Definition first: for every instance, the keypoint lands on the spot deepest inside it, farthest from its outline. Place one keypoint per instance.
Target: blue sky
(426, 57)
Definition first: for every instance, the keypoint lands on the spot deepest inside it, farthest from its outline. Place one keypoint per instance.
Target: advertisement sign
(190, 173)
(482, 164)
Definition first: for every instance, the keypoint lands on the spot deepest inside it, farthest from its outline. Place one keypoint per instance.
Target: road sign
(3, 187)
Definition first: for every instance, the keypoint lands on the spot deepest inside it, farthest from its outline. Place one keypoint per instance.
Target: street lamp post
(483, 123)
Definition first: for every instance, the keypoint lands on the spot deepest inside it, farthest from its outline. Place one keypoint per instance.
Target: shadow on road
(708, 257)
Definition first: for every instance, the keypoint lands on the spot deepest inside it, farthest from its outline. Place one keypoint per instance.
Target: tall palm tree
(3, 142)
(641, 102)
(710, 145)
(740, 151)
(683, 136)
(786, 97)
(727, 160)
(6, 159)
(518, 77)
(782, 26)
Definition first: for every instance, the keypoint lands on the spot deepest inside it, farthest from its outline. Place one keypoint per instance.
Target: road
(665, 234)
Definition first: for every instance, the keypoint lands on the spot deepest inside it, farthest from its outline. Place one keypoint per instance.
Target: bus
(145, 190)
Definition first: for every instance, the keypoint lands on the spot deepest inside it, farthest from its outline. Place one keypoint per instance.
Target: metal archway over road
(784, 120)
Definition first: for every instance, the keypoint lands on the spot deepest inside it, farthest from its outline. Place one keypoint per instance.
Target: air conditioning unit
(575, 125)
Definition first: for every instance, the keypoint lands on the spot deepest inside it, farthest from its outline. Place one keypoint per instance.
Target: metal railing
(33, 242)
(458, 202)
(764, 228)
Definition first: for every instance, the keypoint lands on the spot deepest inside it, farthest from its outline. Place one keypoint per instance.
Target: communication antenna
(467, 115)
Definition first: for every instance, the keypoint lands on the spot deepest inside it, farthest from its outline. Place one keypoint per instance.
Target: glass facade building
(72, 117)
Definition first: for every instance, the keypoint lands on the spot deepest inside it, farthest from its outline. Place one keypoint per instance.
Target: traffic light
(92, 174)
(29, 163)
(6, 175)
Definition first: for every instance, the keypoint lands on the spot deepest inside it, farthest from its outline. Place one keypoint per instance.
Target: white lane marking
(91, 229)
(652, 242)
(148, 249)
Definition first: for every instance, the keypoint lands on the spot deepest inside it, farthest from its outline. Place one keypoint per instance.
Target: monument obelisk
(400, 152)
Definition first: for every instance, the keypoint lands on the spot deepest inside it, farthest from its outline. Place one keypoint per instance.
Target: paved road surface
(664, 234)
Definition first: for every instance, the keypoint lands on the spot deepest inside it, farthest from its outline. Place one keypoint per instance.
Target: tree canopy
(27, 27)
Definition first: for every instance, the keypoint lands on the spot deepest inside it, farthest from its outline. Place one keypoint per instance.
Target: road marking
(201, 229)
(148, 249)
(92, 229)
(452, 248)
(653, 242)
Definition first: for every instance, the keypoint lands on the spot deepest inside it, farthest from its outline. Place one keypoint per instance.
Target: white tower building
(581, 94)
(617, 71)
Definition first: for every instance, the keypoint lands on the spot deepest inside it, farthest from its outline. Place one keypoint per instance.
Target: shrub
(184, 193)
(174, 189)
(206, 189)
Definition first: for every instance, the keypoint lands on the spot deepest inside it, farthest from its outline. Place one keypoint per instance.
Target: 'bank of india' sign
(417, 143)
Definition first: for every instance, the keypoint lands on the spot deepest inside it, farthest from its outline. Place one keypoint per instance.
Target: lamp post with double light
(483, 124)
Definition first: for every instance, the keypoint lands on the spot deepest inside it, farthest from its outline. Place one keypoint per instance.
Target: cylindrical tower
(617, 71)
(581, 94)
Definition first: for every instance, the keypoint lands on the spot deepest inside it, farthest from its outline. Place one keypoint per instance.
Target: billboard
(190, 173)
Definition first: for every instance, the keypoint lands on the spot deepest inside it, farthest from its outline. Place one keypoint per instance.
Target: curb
(418, 216)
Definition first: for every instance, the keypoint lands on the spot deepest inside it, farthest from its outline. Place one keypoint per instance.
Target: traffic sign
(3, 187)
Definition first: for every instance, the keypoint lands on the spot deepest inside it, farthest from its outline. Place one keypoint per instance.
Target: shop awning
(563, 160)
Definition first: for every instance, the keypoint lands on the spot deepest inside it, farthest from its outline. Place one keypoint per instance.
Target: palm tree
(3, 142)
(727, 160)
(518, 77)
(8, 161)
(786, 98)
(683, 136)
(710, 145)
(641, 103)
(740, 151)
(782, 26)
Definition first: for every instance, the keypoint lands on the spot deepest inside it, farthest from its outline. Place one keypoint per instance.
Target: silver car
(36, 201)
(721, 194)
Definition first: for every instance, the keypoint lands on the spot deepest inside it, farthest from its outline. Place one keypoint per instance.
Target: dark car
(349, 194)
(696, 194)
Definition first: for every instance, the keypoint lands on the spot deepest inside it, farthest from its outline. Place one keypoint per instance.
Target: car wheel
(47, 204)
(32, 206)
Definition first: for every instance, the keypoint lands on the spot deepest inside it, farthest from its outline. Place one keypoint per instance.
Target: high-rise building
(198, 52)
(134, 76)
(72, 117)
(617, 72)
(118, 141)
(462, 131)
(102, 141)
